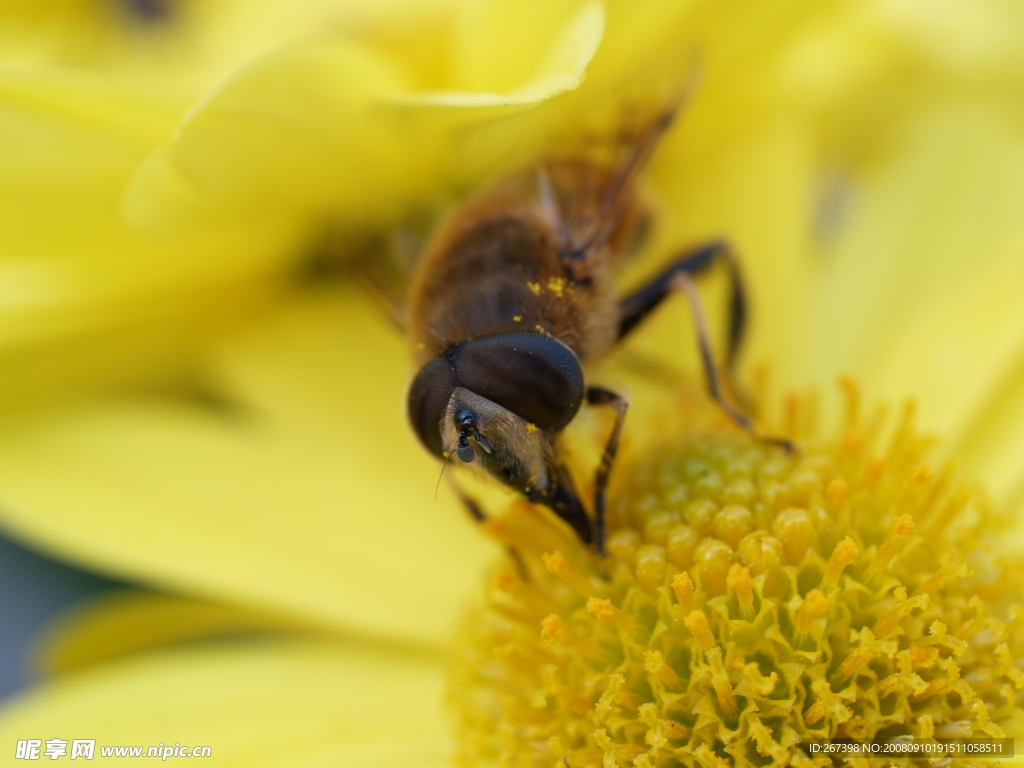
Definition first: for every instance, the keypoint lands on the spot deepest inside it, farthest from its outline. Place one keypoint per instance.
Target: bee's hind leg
(636, 307)
(599, 396)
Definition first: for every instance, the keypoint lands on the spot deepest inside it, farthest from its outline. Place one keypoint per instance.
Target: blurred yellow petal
(256, 704)
(285, 499)
(920, 296)
(125, 622)
(497, 46)
(751, 192)
(331, 130)
(180, 48)
(993, 449)
(81, 296)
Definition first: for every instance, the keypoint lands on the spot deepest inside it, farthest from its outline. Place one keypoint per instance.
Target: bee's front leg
(470, 504)
(478, 515)
(599, 396)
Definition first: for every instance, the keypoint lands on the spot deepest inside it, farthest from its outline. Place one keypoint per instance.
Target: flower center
(749, 600)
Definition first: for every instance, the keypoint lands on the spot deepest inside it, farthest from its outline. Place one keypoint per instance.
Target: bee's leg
(714, 382)
(599, 396)
(636, 307)
(561, 498)
(479, 516)
(471, 505)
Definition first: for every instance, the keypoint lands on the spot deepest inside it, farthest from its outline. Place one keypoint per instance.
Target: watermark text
(86, 749)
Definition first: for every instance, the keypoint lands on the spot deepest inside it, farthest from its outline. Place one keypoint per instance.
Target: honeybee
(514, 296)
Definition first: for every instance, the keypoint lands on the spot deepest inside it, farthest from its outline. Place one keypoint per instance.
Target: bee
(515, 296)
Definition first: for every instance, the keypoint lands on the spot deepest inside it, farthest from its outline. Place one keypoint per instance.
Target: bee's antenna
(444, 464)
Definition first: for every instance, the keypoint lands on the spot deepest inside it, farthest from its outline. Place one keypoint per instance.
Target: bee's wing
(382, 264)
(590, 185)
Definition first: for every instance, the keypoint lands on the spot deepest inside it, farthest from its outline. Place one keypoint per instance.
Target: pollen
(749, 599)
(557, 285)
(534, 287)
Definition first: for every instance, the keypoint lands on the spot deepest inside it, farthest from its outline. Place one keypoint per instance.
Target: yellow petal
(255, 704)
(124, 622)
(308, 496)
(992, 449)
(182, 49)
(91, 299)
(331, 129)
(919, 297)
(498, 47)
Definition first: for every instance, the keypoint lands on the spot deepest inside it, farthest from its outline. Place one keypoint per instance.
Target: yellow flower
(183, 409)
(751, 600)
(176, 49)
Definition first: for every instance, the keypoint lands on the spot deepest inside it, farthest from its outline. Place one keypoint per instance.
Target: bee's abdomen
(496, 277)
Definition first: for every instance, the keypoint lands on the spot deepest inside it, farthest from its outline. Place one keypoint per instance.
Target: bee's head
(501, 398)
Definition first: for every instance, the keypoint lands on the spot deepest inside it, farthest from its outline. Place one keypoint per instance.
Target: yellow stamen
(554, 630)
(505, 582)
(914, 492)
(556, 563)
(615, 752)
(654, 662)
(720, 682)
(895, 614)
(697, 623)
(682, 585)
(844, 554)
(605, 611)
(811, 608)
(739, 581)
(836, 494)
(873, 473)
(943, 577)
(828, 704)
(606, 703)
(852, 395)
(902, 528)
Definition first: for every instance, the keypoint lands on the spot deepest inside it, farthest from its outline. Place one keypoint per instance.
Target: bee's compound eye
(428, 398)
(535, 376)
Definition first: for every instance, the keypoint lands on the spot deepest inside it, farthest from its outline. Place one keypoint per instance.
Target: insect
(515, 296)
